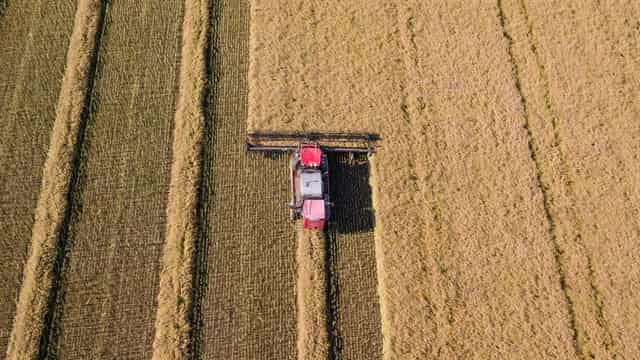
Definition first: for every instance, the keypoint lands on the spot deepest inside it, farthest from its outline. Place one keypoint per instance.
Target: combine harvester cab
(310, 186)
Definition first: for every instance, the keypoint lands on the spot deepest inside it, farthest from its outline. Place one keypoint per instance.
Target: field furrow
(577, 64)
(245, 300)
(28, 98)
(108, 289)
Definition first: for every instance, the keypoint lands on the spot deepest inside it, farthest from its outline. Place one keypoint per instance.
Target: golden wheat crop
(480, 217)
(580, 98)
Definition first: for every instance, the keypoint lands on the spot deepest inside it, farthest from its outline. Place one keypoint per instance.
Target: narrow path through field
(106, 305)
(245, 299)
(28, 96)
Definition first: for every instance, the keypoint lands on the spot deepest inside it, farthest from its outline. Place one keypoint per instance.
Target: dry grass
(580, 84)
(176, 277)
(52, 206)
(311, 293)
(28, 99)
(106, 306)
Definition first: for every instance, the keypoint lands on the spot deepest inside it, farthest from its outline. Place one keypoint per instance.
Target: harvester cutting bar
(328, 141)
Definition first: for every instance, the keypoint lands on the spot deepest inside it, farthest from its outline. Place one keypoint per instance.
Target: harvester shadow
(352, 213)
(351, 194)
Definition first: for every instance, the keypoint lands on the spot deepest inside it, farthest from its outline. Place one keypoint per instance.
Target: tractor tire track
(543, 181)
(596, 120)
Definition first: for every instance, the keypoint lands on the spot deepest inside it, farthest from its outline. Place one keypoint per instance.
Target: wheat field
(497, 218)
(481, 191)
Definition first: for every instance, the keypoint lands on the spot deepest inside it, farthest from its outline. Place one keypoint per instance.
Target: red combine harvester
(309, 168)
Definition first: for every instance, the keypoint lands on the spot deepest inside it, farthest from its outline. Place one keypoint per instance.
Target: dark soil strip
(354, 307)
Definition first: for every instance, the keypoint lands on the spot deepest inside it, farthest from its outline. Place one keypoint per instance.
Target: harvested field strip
(578, 84)
(462, 240)
(311, 294)
(37, 292)
(28, 99)
(245, 303)
(176, 276)
(109, 283)
(352, 262)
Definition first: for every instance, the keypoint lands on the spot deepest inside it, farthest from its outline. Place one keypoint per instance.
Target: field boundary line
(37, 294)
(175, 295)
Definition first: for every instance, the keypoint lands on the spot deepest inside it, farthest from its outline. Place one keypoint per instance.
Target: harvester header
(330, 142)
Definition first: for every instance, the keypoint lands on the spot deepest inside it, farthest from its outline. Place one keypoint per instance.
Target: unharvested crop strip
(413, 110)
(543, 188)
(28, 335)
(172, 336)
(596, 297)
